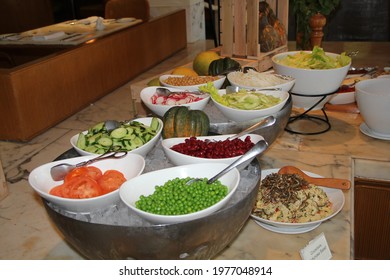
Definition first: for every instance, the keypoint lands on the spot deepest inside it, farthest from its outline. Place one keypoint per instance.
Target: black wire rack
(323, 123)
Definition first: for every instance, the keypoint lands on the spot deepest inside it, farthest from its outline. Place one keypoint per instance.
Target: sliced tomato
(61, 190)
(91, 171)
(79, 171)
(94, 172)
(57, 191)
(111, 180)
(83, 187)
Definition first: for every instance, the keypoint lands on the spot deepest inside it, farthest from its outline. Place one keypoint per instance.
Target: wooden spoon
(325, 182)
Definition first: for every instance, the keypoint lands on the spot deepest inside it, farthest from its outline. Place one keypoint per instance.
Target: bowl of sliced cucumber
(136, 136)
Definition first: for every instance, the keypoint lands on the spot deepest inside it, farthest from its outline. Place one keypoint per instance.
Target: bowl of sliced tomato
(87, 188)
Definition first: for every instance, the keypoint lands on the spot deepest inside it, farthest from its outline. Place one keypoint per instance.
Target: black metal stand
(314, 119)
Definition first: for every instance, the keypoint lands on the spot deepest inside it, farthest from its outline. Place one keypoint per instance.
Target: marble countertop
(28, 233)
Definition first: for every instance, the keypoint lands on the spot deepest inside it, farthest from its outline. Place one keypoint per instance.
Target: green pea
(176, 198)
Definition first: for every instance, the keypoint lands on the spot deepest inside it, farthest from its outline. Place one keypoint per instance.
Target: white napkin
(50, 36)
(99, 24)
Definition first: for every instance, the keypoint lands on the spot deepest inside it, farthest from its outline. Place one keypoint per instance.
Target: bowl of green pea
(164, 197)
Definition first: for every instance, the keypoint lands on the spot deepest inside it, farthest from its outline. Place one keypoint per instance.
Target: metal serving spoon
(326, 182)
(268, 121)
(258, 148)
(59, 171)
(166, 92)
(110, 125)
(234, 89)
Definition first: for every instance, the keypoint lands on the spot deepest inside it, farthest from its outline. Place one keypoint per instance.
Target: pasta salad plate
(335, 197)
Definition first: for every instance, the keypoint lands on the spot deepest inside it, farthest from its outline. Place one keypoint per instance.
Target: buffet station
(186, 178)
(48, 74)
(211, 114)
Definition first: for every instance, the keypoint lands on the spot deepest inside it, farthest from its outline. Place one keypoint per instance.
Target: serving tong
(268, 121)
(59, 171)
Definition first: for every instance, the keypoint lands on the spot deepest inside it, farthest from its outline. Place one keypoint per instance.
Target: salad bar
(145, 203)
(118, 233)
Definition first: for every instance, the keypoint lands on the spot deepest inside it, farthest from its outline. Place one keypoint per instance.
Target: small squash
(223, 65)
(180, 121)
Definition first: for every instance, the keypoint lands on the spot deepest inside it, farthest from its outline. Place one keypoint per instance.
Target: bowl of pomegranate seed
(159, 101)
(204, 149)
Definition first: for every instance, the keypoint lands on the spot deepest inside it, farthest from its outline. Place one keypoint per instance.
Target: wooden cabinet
(372, 219)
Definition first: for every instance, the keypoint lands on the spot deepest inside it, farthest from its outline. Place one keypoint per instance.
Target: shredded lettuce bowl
(316, 59)
(318, 79)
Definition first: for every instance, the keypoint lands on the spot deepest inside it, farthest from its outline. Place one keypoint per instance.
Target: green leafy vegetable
(317, 59)
(244, 100)
(212, 90)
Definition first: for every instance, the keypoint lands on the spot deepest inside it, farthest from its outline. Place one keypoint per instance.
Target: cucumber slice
(147, 137)
(137, 141)
(81, 141)
(154, 125)
(130, 130)
(129, 137)
(92, 139)
(101, 151)
(119, 132)
(91, 149)
(105, 141)
(127, 145)
(98, 127)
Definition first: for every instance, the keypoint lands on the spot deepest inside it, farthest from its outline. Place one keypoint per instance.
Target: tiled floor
(26, 230)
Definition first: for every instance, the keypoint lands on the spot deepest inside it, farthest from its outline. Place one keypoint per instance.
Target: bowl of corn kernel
(191, 83)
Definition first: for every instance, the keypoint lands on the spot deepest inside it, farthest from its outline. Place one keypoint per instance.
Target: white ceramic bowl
(346, 97)
(311, 81)
(147, 93)
(217, 83)
(145, 184)
(373, 101)
(240, 79)
(342, 98)
(335, 196)
(142, 150)
(181, 159)
(238, 115)
(41, 181)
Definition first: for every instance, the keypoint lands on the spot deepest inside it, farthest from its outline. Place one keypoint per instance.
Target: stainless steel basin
(198, 239)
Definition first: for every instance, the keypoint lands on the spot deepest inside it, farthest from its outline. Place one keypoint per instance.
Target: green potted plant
(303, 11)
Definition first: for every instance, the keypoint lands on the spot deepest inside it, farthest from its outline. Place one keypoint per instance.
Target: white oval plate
(336, 196)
